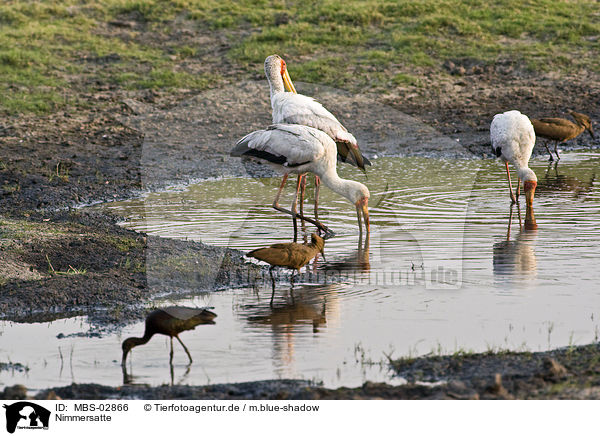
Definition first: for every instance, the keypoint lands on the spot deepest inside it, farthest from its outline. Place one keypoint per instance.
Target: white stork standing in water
(292, 148)
(513, 138)
(293, 108)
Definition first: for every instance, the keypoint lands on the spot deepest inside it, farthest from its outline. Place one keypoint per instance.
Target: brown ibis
(290, 255)
(561, 130)
(169, 321)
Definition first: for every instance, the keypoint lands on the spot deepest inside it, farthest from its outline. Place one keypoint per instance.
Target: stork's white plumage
(513, 139)
(293, 108)
(296, 149)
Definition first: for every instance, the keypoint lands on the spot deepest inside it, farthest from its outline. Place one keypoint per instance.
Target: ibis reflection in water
(561, 130)
(290, 317)
(516, 258)
(558, 181)
(168, 321)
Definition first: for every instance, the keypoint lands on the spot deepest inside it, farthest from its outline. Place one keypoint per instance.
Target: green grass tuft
(52, 46)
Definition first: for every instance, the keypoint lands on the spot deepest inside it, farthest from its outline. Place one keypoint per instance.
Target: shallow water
(441, 274)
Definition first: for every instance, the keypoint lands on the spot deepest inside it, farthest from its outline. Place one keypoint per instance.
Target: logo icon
(26, 415)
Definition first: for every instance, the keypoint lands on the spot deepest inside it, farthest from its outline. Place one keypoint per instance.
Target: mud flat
(568, 373)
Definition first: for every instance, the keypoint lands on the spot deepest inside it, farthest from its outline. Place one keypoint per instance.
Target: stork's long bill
(529, 187)
(362, 210)
(287, 81)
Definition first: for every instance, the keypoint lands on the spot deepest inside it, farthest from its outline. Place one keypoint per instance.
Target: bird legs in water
(512, 195)
(295, 208)
(317, 189)
(273, 283)
(555, 151)
(294, 214)
(184, 347)
(510, 217)
(302, 189)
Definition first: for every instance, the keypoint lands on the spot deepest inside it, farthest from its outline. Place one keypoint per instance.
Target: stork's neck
(275, 83)
(526, 174)
(346, 188)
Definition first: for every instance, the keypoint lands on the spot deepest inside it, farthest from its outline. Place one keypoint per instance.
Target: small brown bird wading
(169, 321)
(289, 255)
(561, 130)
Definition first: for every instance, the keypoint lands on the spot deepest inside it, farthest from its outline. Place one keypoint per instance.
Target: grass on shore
(54, 53)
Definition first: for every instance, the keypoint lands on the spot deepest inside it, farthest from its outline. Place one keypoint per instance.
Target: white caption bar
(150, 417)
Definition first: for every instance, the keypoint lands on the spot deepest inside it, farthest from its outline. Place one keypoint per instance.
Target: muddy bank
(70, 263)
(569, 373)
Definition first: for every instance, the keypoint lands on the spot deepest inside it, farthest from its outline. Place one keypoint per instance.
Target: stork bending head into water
(293, 108)
(296, 149)
(513, 138)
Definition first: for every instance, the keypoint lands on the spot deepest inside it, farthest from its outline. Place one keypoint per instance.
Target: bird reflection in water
(168, 321)
(307, 305)
(289, 316)
(358, 260)
(516, 258)
(553, 182)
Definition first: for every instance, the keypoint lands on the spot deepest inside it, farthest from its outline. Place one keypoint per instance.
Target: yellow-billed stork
(297, 149)
(513, 138)
(293, 108)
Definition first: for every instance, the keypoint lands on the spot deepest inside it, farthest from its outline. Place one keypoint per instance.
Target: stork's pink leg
(276, 206)
(295, 208)
(302, 189)
(317, 188)
(512, 195)
(276, 202)
(518, 188)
